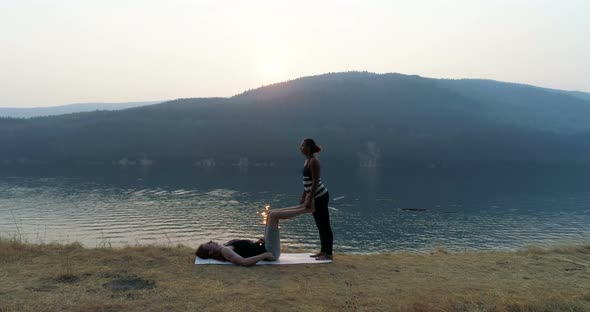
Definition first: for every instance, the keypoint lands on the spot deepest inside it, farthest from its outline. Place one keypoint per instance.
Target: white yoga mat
(286, 258)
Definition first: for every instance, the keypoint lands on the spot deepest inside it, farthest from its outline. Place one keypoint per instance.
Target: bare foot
(324, 257)
(319, 254)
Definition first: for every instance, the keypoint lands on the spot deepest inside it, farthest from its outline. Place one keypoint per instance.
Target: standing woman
(315, 197)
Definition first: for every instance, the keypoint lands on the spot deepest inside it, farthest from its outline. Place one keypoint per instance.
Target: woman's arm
(314, 165)
(303, 197)
(233, 257)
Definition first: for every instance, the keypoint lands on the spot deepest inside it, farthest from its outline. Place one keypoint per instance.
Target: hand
(310, 205)
(304, 198)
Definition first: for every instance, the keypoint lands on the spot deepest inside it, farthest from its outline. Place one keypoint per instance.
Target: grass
(52, 277)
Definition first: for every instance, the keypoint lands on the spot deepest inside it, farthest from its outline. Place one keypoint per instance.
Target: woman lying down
(247, 252)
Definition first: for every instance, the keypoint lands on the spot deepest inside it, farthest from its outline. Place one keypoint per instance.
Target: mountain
(578, 94)
(359, 117)
(67, 109)
(525, 105)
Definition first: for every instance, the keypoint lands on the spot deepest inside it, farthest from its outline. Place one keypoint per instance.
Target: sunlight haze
(60, 52)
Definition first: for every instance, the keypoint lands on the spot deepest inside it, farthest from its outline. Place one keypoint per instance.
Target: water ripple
(61, 210)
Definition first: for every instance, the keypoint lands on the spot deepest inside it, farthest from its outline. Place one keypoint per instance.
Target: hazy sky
(56, 52)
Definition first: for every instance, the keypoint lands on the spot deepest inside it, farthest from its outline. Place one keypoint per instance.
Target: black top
(246, 248)
(308, 181)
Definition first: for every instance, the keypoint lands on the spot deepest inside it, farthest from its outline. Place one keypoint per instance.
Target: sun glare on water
(264, 214)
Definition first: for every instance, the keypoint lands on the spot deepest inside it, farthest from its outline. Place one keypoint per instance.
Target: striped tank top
(307, 181)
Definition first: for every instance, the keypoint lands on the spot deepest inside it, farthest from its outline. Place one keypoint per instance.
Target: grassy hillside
(151, 278)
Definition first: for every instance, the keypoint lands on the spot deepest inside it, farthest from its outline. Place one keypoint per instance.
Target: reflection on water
(370, 210)
(264, 214)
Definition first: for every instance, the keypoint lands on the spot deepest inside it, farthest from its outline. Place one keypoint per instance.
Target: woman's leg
(318, 223)
(283, 209)
(322, 219)
(272, 240)
(274, 215)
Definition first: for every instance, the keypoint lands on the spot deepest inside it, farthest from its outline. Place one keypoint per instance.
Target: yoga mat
(285, 258)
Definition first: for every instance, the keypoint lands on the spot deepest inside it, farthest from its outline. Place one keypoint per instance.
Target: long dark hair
(313, 147)
(203, 253)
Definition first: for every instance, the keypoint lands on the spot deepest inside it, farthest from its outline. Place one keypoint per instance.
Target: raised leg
(275, 215)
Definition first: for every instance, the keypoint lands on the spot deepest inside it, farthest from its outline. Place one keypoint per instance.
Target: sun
(272, 68)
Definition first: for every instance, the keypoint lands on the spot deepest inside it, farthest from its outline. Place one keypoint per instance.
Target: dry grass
(72, 278)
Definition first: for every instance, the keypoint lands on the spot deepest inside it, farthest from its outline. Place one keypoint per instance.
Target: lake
(372, 210)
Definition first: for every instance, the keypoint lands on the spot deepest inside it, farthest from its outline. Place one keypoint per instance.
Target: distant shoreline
(550, 246)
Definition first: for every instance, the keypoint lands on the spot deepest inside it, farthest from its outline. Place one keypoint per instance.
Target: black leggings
(322, 220)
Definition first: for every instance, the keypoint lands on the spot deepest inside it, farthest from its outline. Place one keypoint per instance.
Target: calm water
(468, 210)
